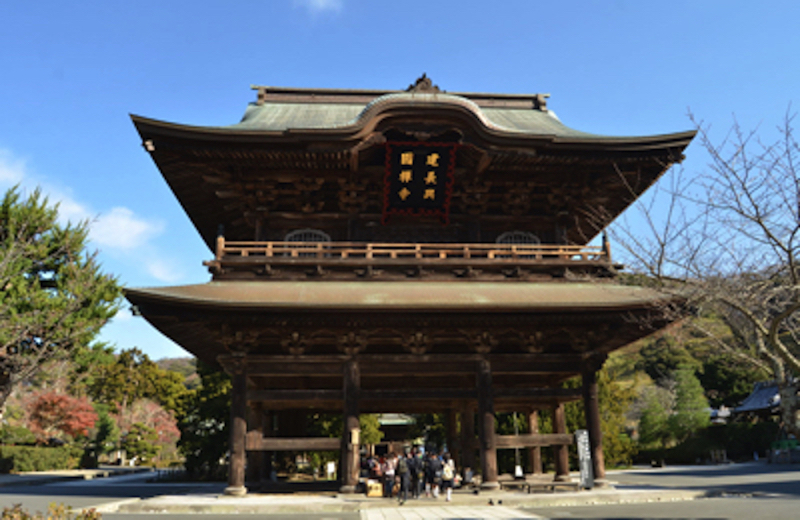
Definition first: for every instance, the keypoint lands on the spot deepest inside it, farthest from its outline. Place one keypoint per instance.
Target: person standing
(448, 475)
(403, 473)
(388, 475)
(433, 475)
(416, 472)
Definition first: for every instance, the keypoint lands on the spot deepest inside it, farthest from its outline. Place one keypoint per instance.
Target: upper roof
(280, 109)
(316, 158)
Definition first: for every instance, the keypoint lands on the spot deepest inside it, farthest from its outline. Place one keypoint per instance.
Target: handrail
(332, 251)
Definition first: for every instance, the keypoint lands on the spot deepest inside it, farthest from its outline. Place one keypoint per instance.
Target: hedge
(35, 458)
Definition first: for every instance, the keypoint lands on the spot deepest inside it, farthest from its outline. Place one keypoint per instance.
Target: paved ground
(741, 491)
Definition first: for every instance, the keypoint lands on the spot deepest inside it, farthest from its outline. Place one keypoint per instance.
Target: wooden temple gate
(408, 252)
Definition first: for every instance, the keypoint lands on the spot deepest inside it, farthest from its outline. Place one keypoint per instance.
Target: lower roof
(399, 295)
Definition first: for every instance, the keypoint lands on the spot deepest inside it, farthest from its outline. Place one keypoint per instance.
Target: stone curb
(255, 504)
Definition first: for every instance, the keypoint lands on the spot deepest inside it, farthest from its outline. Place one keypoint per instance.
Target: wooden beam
(418, 394)
(255, 442)
(534, 439)
(564, 393)
(294, 395)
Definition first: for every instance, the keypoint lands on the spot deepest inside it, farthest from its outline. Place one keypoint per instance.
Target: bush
(16, 435)
(54, 512)
(33, 458)
(739, 440)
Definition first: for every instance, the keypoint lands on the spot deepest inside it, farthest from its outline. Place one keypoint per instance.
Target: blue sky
(71, 72)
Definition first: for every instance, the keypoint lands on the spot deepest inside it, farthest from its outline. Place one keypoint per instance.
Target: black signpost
(584, 459)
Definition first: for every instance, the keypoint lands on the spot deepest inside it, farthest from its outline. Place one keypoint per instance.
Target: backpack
(402, 466)
(447, 472)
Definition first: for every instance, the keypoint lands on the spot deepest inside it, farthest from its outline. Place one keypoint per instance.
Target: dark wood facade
(414, 312)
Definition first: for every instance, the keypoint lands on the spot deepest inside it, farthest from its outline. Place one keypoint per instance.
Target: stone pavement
(632, 486)
(465, 504)
(36, 478)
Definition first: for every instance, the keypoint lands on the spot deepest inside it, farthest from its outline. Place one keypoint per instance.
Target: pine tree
(691, 412)
(53, 296)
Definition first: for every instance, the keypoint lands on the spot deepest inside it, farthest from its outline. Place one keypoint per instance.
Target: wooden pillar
(488, 446)
(269, 456)
(452, 434)
(238, 426)
(592, 410)
(534, 452)
(561, 453)
(351, 432)
(255, 459)
(468, 438)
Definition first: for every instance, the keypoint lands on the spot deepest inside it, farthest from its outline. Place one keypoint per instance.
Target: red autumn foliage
(53, 415)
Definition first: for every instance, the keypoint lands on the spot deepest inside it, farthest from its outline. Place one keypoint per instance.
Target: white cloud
(321, 6)
(121, 229)
(163, 271)
(12, 169)
(119, 232)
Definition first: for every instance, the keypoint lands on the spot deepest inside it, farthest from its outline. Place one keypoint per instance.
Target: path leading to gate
(667, 490)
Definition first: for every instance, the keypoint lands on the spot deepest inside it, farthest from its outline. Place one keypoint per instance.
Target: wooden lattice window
(518, 238)
(307, 235)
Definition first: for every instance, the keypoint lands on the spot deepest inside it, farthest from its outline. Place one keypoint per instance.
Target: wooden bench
(515, 484)
(529, 486)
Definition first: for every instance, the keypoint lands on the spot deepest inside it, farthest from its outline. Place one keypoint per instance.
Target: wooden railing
(265, 257)
(394, 251)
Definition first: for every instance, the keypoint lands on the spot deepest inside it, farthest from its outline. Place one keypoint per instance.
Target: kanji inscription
(419, 179)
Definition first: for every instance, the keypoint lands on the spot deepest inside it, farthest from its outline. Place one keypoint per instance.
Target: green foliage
(660, 357)
(204, 424)
(37, 458)
(16, 435)
(134, 376)
(433, 426)
(107, 435)
(87, 362)
(54, 297)
(653, 424)
(54, 512)
(185, 366)
(614, 400)
(141, 441)
(691, 411)
(370, 428)
(726, 381)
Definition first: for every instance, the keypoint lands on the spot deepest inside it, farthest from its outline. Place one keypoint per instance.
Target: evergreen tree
(691, 412)
(53, 296)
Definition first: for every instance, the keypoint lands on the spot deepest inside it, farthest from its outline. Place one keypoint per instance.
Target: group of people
(411, 472)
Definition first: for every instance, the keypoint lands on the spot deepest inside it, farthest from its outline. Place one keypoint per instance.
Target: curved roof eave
(393, 296)
(402, 108)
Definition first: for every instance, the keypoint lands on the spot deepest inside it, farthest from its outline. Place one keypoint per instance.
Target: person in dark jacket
(404, 474)
(433, 475)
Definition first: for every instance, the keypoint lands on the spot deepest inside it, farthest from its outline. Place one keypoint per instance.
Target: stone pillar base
(563, 478)
(235, 491)
(602, 483)
(345, 490)
(490, 485)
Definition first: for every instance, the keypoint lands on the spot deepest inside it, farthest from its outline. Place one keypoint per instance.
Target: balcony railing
(363, 258)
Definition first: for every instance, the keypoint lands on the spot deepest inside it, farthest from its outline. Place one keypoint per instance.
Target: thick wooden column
(592, 410)
(561, 453)
(351, 433)
(255, 459)
(488, 446)
(238, 426)
(468, 438)
(269, 456)
(535, 452)
(452, 434)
